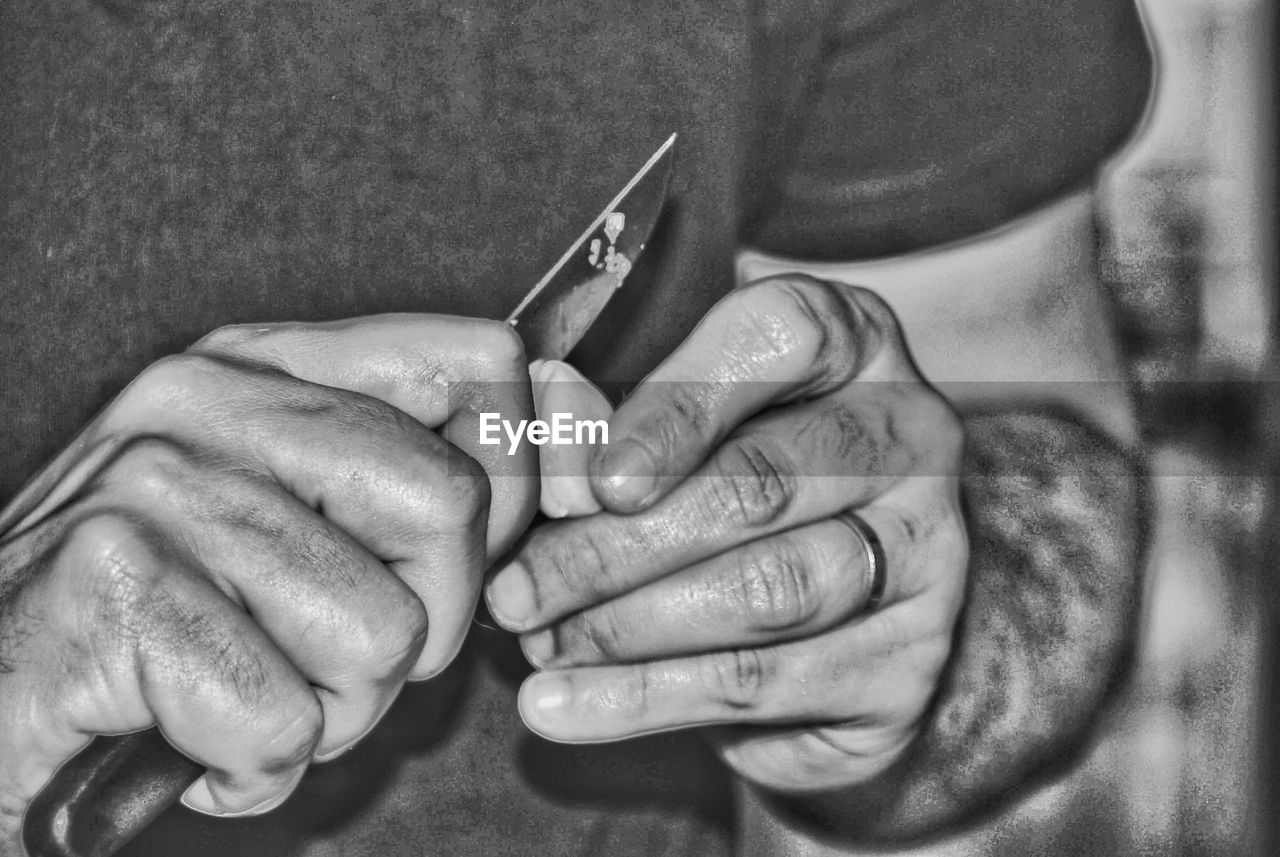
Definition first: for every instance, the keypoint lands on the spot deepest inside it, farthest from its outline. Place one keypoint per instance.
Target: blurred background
(1187, 241)
(1188, 235)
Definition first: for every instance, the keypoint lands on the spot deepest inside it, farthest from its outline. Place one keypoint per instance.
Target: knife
(562, 306)
(119, 784)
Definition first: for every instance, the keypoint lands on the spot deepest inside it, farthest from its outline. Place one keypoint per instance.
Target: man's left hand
(726, 584)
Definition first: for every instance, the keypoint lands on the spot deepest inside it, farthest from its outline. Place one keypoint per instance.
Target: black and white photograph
(767, 428)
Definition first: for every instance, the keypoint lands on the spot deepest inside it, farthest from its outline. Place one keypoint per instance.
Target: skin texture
(1057, 512)
(723, 592)
(719, 587)
(254, 546)
(1055, 501)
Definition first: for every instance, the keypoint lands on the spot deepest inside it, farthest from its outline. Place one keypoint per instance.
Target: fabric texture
(167, 167)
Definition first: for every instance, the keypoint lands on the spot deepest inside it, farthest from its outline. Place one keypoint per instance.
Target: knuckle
(472, 476)
(598, 631)
(444, 483)
(645, 682)
(461, 500)
(171, 378)
(469, 492)
(913, 526)
(227, 339)
(152, 450)
(294, 734)
(110, 551)
(818, 306)
(359, 412)
(137, 601)
(874, 313)
(321, 553)
(588, 562)
(573, 565)
(498, 344)
(775, 587)
(687, 414)
(874, 305)
(340, 415)
(395, 639)
(751, 489)
(449, 487)
(821, 314)
(153, 467)
(241, 667)
(738, 678)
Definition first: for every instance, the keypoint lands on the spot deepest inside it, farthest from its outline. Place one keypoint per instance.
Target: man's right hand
(254, 546)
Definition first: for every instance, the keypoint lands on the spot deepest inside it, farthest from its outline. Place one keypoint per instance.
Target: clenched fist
(254, 546)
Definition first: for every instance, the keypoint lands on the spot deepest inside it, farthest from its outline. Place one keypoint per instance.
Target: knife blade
(560, 308)
(119, 784)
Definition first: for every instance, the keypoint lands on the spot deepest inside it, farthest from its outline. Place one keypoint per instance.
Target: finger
(443, 371)
(800, 464)
(788, 586)
(166, 647)
(879, 670)
(812, 758)
(349, 625)
(415, 502)
(560, 389)
(774, 341)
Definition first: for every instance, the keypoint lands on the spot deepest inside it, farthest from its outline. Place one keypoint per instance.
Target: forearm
(1057, 515)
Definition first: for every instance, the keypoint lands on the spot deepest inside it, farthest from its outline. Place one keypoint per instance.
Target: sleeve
(923, 122)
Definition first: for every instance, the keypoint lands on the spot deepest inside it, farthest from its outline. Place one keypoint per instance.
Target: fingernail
(540, 374)
(346, 747)
(539, 648)
(200, 798)
(631, 480)
(546, 695)
(510, 597)
(560, 372)
(330, 755)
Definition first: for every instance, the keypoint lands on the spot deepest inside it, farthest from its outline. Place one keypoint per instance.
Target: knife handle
(106, 795)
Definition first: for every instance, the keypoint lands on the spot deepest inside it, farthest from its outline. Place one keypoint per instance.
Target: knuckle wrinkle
(739, 678)
(776, 588)
(295, 737)
(751, 489)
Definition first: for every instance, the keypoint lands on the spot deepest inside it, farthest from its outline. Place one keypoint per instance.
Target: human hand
(725, 584)
(254, 546)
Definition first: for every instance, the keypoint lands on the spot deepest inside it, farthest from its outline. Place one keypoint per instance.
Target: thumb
(559, 389)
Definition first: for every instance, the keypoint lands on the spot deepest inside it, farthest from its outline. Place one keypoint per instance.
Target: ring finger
(783, 587)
